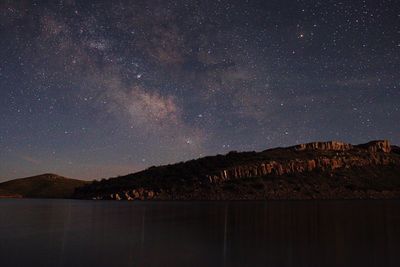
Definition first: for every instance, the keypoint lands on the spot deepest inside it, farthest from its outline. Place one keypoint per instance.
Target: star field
(92, 89)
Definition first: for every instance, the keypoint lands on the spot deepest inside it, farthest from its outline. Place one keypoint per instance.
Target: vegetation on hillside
(188, 180)
(41, 186)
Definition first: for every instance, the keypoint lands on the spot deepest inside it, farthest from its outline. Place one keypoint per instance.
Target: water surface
(276, 233)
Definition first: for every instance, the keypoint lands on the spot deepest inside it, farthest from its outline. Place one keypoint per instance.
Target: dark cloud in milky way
(99, 88)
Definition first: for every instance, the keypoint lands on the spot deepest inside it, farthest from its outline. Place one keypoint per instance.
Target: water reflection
(89, 233)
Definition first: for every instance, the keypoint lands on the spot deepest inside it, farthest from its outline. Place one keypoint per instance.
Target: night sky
(92, 89)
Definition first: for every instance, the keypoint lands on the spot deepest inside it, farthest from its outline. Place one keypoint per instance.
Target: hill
(318, 170)
(40, 186)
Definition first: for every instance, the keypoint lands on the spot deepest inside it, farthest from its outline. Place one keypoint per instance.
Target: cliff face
(377, 146)
(342, 159)
(373, 146)
(331, 145)
(319, 170)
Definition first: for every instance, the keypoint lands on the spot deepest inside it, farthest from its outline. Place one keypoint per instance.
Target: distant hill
(40, 186)
(318, 170)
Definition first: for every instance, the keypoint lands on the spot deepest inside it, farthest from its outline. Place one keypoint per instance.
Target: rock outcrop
(297, 166)
(373, 146)
(377, 146)
(135, 194)
(330, 145)
(339, 160)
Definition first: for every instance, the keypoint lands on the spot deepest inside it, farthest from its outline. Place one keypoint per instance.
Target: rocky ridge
(323, 163)
(318, 170)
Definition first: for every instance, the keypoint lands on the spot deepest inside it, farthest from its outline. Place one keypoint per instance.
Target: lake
(273, 233)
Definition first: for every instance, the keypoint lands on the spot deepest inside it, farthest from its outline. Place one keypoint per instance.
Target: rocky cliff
(342, 159)
(318, 170)
(331, 145)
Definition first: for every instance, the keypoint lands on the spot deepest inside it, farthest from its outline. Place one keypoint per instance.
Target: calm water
(99, 233)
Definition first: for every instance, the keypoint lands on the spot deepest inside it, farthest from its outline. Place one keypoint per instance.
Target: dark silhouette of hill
(40, 186)
(319, 170)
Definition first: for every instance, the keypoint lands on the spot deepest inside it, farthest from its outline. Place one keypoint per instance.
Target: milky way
(92, 89)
